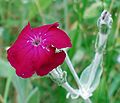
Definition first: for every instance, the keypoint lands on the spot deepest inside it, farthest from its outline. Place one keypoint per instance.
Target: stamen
(31, 38)
(37, 40)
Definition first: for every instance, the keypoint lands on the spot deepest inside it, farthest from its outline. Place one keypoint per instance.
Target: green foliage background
(78, 18)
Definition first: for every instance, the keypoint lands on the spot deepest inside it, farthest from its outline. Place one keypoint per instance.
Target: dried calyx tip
(105, 22)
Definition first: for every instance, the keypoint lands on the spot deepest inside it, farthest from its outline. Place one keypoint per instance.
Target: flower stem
(72, 70)
(69, 88)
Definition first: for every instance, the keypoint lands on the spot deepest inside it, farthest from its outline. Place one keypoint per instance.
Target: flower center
(36, 42)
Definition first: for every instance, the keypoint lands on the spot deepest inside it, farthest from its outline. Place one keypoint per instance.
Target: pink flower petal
(52, 63)
(43, 29)
(41, 56)
(20, 59)
(26, 32)
(58, 38)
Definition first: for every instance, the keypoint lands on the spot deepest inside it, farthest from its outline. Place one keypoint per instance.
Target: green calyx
(60, 79)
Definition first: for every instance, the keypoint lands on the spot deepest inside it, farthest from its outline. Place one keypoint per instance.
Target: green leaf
(114, 85)
(33, 96)
(23, 88)
(5, 69)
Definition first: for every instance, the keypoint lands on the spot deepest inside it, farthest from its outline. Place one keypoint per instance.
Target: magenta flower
(34, 51)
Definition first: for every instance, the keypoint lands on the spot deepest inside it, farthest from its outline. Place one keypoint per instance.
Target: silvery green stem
(71, 92)
(72, 70)
(68, 88)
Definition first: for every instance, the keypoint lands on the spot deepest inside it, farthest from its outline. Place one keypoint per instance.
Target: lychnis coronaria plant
(34, 51)
(40, 50)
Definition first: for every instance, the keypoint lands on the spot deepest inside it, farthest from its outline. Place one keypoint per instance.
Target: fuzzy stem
(69, 88)
(72, 70)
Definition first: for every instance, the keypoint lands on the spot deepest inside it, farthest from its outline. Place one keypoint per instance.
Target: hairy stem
(69, 88)
(72, 70)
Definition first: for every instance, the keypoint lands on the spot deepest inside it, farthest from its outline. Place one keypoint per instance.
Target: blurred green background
(78, 18)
